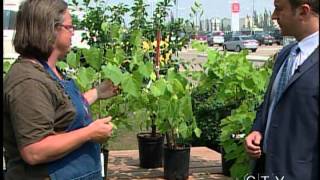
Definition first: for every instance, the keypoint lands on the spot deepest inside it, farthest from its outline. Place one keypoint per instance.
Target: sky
(212, 8)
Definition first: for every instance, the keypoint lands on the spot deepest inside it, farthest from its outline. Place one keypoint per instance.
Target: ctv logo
(251, 177)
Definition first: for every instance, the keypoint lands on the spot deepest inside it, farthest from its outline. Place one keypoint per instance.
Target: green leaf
(158, 88)
(197, 132)
(177, 87)
(137, 57)
(170, 88)
(86, 77)
(164, 110)
(72, 60)
(183, 129)
(113, 73)
(105, 27)
(136, 38)
(171, 75)
(93, 57)
(138, 77)
(130, 85)
(115, 30)
(120, 56)
(212, 55)
(110, 56)
(186, 107)
(62, 65)
(6, 66)
(146, 69)
(153, 76)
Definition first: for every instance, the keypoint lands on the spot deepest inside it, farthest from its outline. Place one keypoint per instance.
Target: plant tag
(102, 164)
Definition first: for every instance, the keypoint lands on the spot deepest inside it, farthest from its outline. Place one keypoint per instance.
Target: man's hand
(252, 144)
(106, 89)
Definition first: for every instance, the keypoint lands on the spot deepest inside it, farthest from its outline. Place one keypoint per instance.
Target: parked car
(216, 38)
(200, 37)
(282, 40)
(237, 43)
(264, 38)
(287, 40)
(278, 38)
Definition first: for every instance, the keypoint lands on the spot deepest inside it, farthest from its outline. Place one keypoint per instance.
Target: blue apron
(83, 163)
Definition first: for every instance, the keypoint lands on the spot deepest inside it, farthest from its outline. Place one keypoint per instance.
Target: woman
(48, 131)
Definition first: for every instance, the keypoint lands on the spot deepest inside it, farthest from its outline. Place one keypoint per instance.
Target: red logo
(235, 7)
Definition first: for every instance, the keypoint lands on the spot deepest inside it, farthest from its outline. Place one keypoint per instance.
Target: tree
(255, 18)
(196, 9)
(260, 25)
(266, 20)
(249, 22)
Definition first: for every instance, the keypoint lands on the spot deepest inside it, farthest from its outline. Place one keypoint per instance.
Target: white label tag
(102, 164)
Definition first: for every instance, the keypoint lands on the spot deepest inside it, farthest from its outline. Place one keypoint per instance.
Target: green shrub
(208, 113)
(230, 89)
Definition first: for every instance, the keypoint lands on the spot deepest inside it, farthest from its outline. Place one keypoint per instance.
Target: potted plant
(118, 55)
(240, 86)
(157, 60)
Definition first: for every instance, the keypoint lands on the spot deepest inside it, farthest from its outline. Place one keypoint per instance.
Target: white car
(237, 43)
(212, 40)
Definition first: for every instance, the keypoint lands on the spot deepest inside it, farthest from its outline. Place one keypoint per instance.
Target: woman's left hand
(107, 89)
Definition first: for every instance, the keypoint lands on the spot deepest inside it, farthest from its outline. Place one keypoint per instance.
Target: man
(285, 133)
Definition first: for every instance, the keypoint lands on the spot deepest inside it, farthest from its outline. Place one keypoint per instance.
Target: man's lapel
(280, 59)
(310, 61)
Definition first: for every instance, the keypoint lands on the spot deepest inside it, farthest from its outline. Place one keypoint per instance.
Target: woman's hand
(56, 146)
(107, 89)
(100, 129)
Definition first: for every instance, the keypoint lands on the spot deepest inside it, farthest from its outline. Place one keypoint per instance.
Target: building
(205, 25)
(246, 23)
(216, 24)
(10, 8)
(225, 24)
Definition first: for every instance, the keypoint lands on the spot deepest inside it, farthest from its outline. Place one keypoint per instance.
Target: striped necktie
(285, 73)
(284, 77)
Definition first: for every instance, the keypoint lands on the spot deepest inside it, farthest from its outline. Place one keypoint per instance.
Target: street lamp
(252, 17)
(177, 7)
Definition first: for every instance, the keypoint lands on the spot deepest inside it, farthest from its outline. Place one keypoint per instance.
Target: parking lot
(258, 58)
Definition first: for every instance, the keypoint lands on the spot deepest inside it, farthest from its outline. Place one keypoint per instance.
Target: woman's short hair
(35, 27)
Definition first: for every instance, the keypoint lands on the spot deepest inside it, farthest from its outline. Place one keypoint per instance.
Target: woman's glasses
(70, 28)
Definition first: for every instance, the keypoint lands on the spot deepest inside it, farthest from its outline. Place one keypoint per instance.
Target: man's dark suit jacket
(293, 147)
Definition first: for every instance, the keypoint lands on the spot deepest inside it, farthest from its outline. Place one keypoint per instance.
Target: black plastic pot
(105, 153)
(150, 150)
(176, 163)
(226, 164)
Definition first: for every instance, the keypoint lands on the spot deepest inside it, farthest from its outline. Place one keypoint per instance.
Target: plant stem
(153, 126)
(174, 145)
(100, 105)
(157, 63)
(169, 140)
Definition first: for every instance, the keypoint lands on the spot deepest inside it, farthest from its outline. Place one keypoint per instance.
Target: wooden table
(204, 164)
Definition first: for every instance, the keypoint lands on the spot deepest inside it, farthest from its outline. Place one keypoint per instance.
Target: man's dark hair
(36, 22)
(314, 4)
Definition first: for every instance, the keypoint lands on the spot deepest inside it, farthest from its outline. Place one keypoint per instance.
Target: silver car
(237, 43)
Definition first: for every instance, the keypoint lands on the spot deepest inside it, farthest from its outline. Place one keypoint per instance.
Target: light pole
(177, 7)
(252, 17)
(152, 5)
